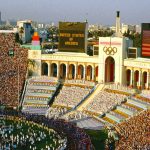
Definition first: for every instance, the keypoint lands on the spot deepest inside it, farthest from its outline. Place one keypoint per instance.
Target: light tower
(118, 31)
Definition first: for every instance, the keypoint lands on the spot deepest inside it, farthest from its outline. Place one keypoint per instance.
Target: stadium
(68, 92)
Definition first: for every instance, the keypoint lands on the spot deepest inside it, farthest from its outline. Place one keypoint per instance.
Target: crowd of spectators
(104, 101)
(71, 95)
(145, 93)
(81, 82)
(55, 112)
(19, 134)
(77, 139)
(120, 87)
(13, 68)
(135, 132)
(76, 115)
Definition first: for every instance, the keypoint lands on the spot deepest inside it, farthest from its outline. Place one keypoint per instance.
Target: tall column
(76, 67)
(93, 73)
(84, 76)
(67, 65)
(131, 78)
(140, 79)
(49, 69)
(148, 80)
(58, 70)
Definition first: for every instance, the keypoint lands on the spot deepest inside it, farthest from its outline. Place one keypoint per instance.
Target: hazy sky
(95, 11)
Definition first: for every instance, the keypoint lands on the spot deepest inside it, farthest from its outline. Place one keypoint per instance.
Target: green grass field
(98, 138)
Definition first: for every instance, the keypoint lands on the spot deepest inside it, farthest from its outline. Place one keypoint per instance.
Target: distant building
(94, 27)
(41, 25)
(113, 28)
(138, 28)
(27, 27)
(7, 23)
(42, 34)
(125, 28)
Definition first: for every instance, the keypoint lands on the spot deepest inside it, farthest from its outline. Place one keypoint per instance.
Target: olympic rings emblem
(110, 50)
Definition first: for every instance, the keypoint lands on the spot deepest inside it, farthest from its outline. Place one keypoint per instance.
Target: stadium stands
(70, 95)
(13, 69)
(145, 93)
(135, 132)
(104, 101)
(38, 94)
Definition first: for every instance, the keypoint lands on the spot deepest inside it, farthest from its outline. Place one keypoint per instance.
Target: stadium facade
(118, 61)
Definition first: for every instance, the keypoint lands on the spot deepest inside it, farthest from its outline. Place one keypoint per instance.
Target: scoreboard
(145, 52)
(72, 36)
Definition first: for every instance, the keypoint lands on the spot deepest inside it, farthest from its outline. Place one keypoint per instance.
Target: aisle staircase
(124, 111)
(83, 105)
(38, 94)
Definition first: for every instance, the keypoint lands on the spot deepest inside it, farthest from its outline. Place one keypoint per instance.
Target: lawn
(98, 138)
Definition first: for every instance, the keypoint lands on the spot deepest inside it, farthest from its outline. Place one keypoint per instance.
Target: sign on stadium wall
(145, 52)
(72, 37)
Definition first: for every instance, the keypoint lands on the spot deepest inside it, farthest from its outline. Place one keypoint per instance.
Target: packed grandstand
(13, 69)
(68, 107)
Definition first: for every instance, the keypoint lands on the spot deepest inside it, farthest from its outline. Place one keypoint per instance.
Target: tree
(137, 40)
(21, 31)
(53, 33)
(136, 37)
(17, 37)
(31, 65)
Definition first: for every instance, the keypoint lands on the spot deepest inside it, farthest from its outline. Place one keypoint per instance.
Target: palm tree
(21, 31)
(31, 65)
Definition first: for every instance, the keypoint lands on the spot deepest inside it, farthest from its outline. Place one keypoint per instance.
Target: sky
(95, 11)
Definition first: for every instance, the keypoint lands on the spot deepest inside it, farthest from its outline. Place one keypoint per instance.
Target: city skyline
(96, 12)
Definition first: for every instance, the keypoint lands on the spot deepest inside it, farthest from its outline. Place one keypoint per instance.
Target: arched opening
(54, 70)
(144, 80)
(71, 71)
(80, 72)
(136, 78)
(45, 69)
(96, 73)
(89, 72)
(62, 71)
(128, 76)
(109, 69)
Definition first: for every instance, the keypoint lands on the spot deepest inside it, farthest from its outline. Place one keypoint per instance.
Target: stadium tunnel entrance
(71, 71)
(136, 78)
(45, 69)
(54, 70)
(144, 79)
(109, 69)
(63, 71)
(80, 72)
(128, 75)
(89, 72)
